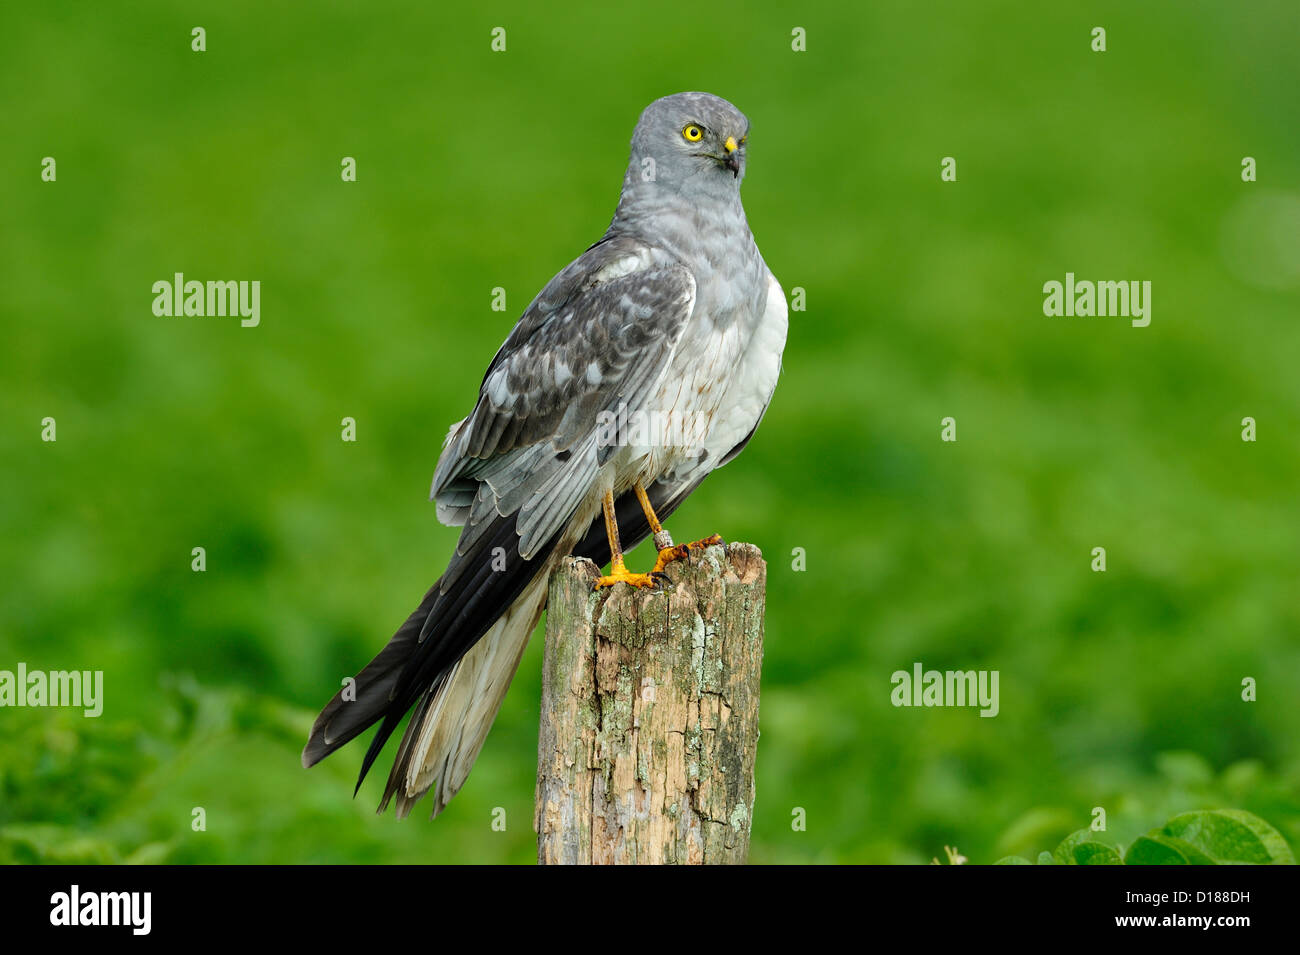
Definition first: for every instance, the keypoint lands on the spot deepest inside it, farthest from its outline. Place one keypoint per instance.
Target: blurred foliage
(478, 170)
(1208, 837)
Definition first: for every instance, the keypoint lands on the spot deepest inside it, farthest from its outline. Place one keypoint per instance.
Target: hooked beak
(732, 159)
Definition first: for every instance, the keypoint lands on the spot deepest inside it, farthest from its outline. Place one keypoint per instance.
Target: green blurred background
(479, 169)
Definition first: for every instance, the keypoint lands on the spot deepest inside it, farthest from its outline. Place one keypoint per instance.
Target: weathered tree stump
(650, 714)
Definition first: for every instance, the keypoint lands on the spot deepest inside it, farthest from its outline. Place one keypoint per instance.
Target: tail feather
(454, 657)
(455, 621)
(357, 706)
(451, 723)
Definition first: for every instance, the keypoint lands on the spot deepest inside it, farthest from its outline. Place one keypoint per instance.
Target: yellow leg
(618, 573)
(668, 552)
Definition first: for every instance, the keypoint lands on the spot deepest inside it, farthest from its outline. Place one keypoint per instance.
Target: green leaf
(1148, 851)
(1164, 849)
(1228, 836)
(1082, 848)
(1191, 853)
(1063, 854)
(1206, 837)
(1096, 853)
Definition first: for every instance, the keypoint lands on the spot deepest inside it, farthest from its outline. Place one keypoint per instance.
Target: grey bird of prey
(641, 367)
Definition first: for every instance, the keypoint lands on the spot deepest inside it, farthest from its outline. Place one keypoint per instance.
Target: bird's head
(693, 142)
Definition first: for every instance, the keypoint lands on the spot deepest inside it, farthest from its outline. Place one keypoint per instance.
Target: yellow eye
(692, 133)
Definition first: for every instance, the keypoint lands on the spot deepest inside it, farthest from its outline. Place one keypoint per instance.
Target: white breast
(749, 389)
(719, 384)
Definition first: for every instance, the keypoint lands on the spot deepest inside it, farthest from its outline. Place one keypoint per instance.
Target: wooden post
(650, 714)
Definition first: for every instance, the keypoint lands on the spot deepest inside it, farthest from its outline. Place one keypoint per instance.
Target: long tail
(467, 601)
(451, 721)
(454, 657)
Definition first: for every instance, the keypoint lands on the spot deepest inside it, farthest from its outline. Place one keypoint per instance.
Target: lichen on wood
(649, 723)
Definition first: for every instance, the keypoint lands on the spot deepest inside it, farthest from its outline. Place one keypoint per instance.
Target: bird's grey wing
(597, 339)
(599, 335)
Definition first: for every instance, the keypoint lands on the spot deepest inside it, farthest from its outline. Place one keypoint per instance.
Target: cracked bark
(649, 721)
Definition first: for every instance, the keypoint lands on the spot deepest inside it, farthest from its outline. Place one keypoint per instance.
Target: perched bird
(641, 367)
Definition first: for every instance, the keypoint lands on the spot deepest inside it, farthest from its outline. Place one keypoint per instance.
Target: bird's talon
(624, 576)
(668, 555)
(683, 551)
